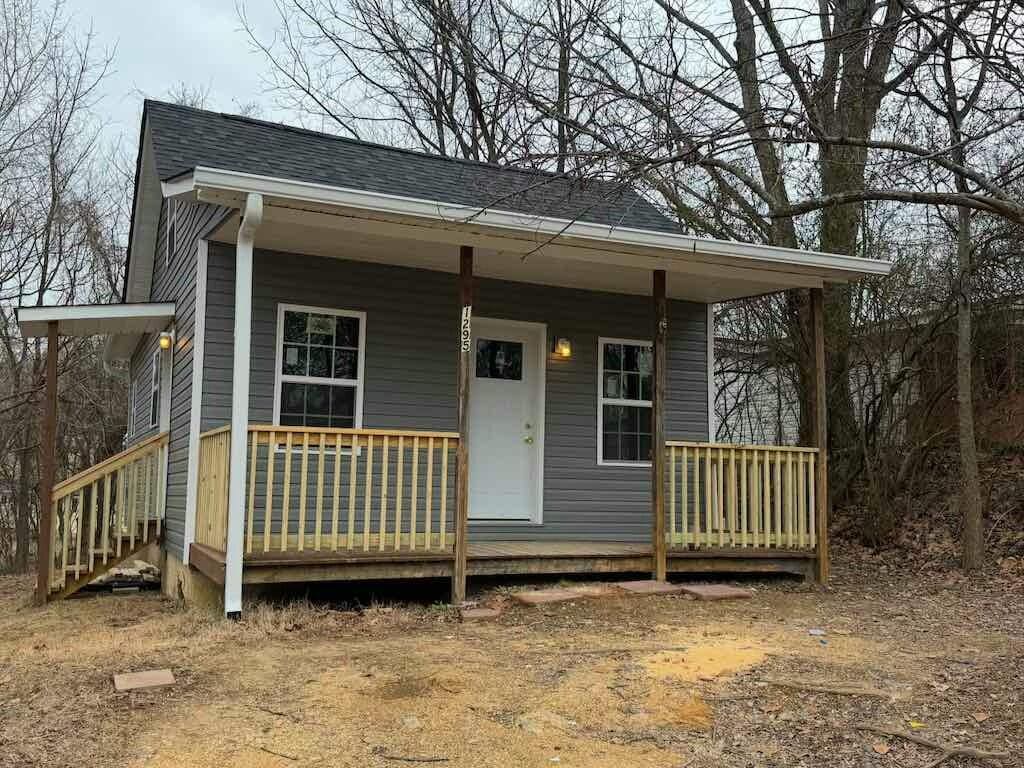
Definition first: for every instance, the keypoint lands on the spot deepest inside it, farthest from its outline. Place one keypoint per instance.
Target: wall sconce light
(562, 348)
(166, 340)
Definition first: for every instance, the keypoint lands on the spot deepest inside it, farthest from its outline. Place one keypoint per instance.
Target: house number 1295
(467, 331)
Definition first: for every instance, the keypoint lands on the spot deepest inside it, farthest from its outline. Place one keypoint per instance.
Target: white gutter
(252, 217)
(541, 228)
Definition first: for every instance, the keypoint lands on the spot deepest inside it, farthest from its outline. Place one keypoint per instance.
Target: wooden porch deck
(496, 558)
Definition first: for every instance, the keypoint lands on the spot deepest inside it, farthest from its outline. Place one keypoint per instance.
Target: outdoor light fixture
(166, 339)
(563, 347)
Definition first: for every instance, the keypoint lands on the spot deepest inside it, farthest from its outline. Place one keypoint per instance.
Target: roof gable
(185, 138)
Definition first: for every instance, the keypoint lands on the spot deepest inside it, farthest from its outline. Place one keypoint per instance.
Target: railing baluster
(429, 512)
(684, 505)
(383, 494)
(286, 491)
(755, 499)
(336, 493)
(743, 498)
(671, 494)
(444, 492)
(367, 493)
(92, 523)
(415, 491)
(66, 536)
(399, 488)
(696, 498)
(303, 491)
(353, 462)
(321, 459)
(105, 527)
(812, 533)
(268, 506)
(251, 506)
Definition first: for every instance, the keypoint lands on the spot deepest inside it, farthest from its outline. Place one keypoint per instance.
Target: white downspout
(252, 217)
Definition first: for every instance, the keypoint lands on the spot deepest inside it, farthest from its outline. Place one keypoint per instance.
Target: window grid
(319, 367)
(625, 384)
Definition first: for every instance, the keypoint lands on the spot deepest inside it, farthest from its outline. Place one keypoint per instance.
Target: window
(154, 389)
(499, 359)
(319, 380)
(172, 225)
(625, 381)
(133, 399)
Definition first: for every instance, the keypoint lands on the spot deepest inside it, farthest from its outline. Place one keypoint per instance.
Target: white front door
(506, 420)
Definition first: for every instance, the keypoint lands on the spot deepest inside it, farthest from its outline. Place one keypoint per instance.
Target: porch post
(820, 432)
(47, 465)
(462, 452)
(658, 424)
(252, 215)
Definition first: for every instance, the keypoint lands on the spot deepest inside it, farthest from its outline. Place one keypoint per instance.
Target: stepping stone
(650, 587)
(545, 596)
(717, 592)
(479, 614)
(153, 678)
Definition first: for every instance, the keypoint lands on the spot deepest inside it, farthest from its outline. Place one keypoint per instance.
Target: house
(352, 361)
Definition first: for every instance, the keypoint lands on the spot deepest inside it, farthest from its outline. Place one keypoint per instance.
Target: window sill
(640, 464)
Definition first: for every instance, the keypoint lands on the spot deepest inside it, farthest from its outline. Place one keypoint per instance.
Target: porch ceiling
(521, 257)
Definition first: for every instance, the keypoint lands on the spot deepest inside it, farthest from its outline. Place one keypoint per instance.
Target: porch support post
(658, 424)
(820, 432)
(462, 452)
(252, 215)
(47, 465)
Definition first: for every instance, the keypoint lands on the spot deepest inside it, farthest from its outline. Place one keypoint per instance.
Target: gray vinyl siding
(173, 281)
(410, 370)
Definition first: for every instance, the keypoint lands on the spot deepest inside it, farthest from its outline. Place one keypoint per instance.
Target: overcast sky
(157, 43)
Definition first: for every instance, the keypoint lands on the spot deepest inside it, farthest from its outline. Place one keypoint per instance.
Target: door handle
(528, 439)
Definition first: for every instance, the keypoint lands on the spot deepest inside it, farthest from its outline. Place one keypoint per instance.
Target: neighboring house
(354, 361)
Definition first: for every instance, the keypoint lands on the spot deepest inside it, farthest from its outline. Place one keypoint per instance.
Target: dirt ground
(623, 681)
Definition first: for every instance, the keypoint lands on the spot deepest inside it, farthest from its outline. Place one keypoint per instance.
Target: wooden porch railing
(212, 489)
(723, 496)
(333, 490)
(105, 512)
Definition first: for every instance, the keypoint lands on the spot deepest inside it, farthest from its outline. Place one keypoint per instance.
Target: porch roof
(123, 323)
(330, 196)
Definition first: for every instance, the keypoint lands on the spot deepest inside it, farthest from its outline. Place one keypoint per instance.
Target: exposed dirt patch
(617, 681)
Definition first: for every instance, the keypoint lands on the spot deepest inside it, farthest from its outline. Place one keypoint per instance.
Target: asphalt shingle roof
(184, 138)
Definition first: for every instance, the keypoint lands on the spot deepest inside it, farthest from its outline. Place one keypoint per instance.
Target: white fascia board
(541, 228)
(95, 319)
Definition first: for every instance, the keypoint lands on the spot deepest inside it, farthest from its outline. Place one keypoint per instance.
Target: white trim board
(196, 408)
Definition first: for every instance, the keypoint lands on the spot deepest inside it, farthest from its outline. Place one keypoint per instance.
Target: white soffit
(95, 319)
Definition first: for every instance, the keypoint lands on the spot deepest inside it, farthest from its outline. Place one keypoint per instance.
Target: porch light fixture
(166, 340)
(562, 348)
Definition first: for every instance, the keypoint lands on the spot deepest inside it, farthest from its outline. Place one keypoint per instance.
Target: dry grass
(597, 683)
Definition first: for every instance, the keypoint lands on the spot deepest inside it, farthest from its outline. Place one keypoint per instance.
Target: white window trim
(155, 378)
(602, 401)
(279, 377)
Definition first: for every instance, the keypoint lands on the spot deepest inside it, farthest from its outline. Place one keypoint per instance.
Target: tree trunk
(970, 489)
